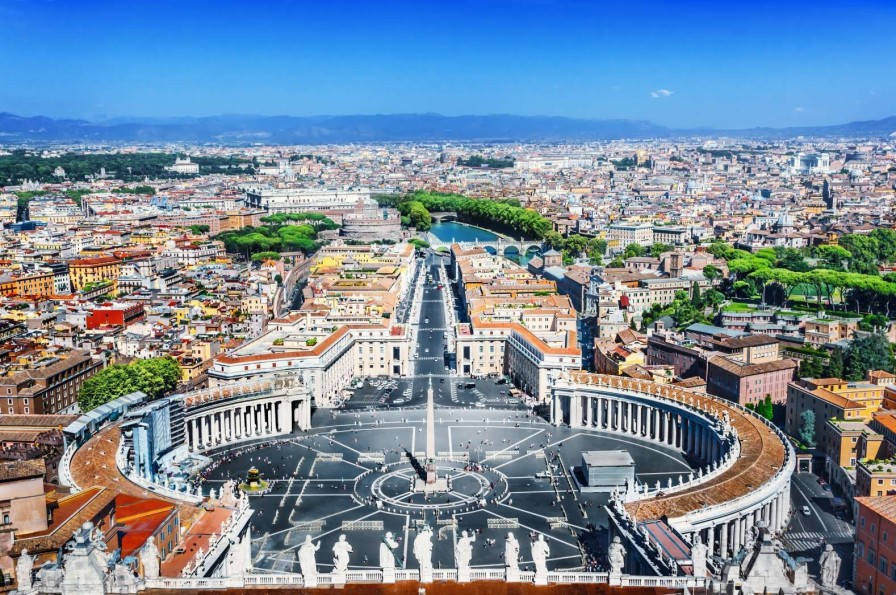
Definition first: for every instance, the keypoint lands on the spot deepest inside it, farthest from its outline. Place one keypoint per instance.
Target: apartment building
(325, 360)
(831, 398)
(31, 284)
(822, 331)
(620, 235)
(875, 553)
(48, 385)
(748, 383)
(88, 271)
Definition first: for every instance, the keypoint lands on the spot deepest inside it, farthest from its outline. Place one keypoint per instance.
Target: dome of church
(785, 219)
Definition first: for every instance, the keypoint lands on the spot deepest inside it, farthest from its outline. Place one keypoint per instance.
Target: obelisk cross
(430, 436)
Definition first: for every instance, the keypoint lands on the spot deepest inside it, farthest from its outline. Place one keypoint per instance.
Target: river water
(452, 231)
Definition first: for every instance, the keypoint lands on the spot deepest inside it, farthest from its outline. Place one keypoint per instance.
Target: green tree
(152, 376)
(886, 243)
(575, 245)
(711, 272)
(870, 352)
(633, 250)
(834, 369)
(807, 428)
(791, 259)
(766, 408)
(811, 367)
(659, 248)
(554, 240)
(833, 257)
(864, 250)
(596, 250)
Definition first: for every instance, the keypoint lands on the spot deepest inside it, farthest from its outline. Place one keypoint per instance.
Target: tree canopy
(276, 238)
(152, 376)
(497, 214)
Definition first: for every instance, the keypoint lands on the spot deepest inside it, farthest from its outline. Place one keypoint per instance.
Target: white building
(300, 200)
(183, 166)
(623, 234)
(810, 163)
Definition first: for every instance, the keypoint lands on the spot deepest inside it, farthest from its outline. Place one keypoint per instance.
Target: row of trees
(22, 165)
(575, 245)
(319, 221)
(837, 275)
(503, 214)
(274, 238)
(415, 214)
(479, 161)
(153, 376)
(869, 352)
(685, 309)
(765, 408)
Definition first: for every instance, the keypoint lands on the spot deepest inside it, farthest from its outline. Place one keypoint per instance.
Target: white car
(807, 511)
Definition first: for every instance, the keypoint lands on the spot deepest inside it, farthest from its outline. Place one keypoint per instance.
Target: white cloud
(797, 109)
(661, 93)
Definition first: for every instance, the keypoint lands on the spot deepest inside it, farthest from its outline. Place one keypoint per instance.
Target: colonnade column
(724, 540)
(600, 412)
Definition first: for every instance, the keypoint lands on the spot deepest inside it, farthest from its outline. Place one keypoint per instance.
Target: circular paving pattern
(398, 488)
(352, 474)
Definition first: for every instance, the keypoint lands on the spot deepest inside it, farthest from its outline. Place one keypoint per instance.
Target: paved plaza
(508, 470)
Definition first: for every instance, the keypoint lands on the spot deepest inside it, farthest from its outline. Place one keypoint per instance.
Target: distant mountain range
(246, 129)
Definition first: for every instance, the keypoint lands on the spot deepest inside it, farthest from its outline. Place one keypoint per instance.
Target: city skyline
(679, 65)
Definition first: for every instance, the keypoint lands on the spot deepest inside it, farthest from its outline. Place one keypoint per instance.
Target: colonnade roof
(763, 452)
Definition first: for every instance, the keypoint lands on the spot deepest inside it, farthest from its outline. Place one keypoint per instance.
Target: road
(806, 533)
(426, 314)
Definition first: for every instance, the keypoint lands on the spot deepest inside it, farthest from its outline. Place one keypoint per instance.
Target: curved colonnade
(744, 463)
(246, 411)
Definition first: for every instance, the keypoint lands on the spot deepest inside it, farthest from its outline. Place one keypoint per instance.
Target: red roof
(139, 518)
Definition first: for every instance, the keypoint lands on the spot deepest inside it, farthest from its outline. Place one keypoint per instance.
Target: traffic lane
(824, 501)
(806, 491)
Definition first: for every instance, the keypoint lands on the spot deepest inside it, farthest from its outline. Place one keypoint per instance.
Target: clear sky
(698, 63)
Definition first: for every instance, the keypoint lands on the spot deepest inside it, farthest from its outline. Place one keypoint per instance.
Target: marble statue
(50, 577)
(423, 548)
(341, 550)
(830, 567)
(540, 553)
(387, 552)
(698, 557)
(24, 565)
(750, 543)
(463, 550)
(122, 580)
(307, 562)
(227, 493)
(149, 558)
(616, 556)
(511, 551)
(86, 562)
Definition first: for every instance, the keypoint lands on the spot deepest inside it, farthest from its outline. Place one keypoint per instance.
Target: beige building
(22, 501)
(821, 331)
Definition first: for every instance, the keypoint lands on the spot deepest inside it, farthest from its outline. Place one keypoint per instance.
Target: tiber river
(449, 231)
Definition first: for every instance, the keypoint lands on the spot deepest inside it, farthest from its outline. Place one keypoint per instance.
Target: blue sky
(720, 63)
